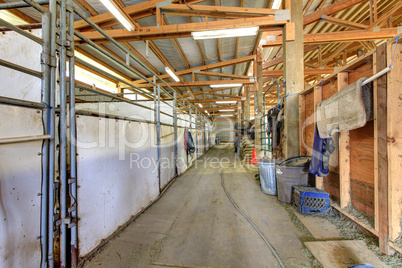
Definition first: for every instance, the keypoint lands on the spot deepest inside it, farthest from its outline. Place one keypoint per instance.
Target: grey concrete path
(195, 225)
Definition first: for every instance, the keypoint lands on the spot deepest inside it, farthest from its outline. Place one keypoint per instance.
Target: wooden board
(380, 151)
(320, 228)
(309, 126)
(365, 70)
(340, 254)
(362, 153)
(344, 152)
(331, 185)
(362, 197)
(394, 138)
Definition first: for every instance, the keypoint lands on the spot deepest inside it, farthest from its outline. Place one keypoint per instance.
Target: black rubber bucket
(291, 172)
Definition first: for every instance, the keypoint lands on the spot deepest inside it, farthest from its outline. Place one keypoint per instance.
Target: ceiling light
(226, 115)
(226, 85)
(199, 104)
(225, 102)
(172, 75)
(118, 13)
(225, 33)
(227, 110)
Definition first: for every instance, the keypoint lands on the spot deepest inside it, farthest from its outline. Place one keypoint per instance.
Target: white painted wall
(117, 171)
(22, 51)
(20, 183)
(20, 164)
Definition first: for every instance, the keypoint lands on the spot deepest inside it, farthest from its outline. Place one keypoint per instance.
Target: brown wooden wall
(361, 146)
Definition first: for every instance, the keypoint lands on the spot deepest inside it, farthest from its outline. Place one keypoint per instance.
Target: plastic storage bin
(289, 173)
(310, 200)
(267, 175)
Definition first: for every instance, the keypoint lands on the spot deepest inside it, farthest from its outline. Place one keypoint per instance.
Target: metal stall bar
(45, 68)
(24, 139)
(21, 32)
(21, 103)
(175, 134)
(73, 149)
(20, 68)
(63, 133)
(51, 61)
(158, 134)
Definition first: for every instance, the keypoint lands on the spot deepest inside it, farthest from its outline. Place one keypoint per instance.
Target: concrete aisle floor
(195, 225)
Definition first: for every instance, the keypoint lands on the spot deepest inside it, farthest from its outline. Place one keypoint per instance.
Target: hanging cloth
(190, 143)
(322, 150)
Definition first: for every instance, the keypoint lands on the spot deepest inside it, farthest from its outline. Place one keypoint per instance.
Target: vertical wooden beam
(319, 181)
(247, 104)
(294, 76)
(302, 119)
(258, 101)
(394, 139)
(344, 153)
(380, 150)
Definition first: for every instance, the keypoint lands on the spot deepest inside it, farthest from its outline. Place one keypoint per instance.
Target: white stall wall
(117, 176)
(20, 184)
(20, 50)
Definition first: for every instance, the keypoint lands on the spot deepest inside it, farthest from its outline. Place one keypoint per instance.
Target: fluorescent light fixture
(227, 110)
(172, 75)
(226, 85)
(226, 115)
(199, 104)
(225, 33)
(222, 102)
(118, 13)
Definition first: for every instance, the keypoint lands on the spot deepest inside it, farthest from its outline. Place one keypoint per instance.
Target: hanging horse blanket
(348, 109)
(322, 150)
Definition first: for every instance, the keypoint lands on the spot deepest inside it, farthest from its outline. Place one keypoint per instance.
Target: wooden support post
(302, 119)
(380, 150)
(394, 140)
(344, 153)
(319, 181)
(258, 102)
(294, 76)
(247, 104)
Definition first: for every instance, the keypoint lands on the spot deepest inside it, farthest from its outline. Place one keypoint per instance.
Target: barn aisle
(194, 224)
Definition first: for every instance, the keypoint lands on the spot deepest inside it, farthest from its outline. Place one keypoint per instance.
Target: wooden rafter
(20, 14)
(181, 30)
(329, 10)
(200, 83)
(208, 67)
(107, 19)
(345, 36)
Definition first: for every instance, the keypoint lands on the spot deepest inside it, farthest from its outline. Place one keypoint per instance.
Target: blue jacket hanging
(190, 143)
(322, 150)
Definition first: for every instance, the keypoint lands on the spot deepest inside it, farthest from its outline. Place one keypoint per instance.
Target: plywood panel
(329, 89)
(339, 254)
(362, 153)
(362, 197)
(309, 126)
(365, 70)
(331, 185)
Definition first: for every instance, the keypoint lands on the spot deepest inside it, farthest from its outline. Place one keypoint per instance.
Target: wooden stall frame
(387, 185)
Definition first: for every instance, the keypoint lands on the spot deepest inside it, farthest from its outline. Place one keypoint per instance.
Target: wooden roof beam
(277, 73)
(130, 10)
(199, 83)
(235, 76)
(345, 36)
(329, 10)
(345, 23)
(207, 67)
(180, 30)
